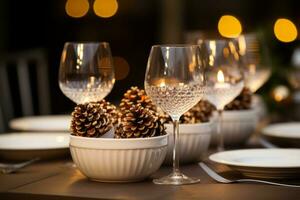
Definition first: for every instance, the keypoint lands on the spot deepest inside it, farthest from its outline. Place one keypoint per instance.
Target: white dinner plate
(262, 163)
(23, 146)
(41, 123)
(283, 134)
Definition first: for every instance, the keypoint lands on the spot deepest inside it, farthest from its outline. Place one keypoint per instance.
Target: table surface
(61, 180)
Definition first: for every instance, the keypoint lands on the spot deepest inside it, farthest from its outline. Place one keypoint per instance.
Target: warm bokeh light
(77, 8)
(281, 93)
(229, 26)
(220, 77)
(122, 68)
(242, 45)
(105, 8)
(285, 30)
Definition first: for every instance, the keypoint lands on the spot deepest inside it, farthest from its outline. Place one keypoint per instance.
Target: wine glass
(223, 75)
(174, 81)
(86, 72)
(255, 60)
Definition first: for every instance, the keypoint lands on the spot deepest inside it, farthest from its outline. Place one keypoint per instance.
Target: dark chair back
(21, 64)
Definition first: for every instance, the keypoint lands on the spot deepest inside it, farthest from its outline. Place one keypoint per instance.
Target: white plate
(19, 146)
(262, 163)
(42, 123)
(283, 134)
(283, 130)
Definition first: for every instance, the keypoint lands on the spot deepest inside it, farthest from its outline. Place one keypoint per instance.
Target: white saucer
(262, 163)
(23, 146)
(283, 134)
(41, 123)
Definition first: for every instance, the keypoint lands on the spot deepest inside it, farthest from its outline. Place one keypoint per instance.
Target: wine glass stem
(176, 146)
(220, 146)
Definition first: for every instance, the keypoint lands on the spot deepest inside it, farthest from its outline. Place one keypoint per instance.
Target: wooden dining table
(60, 179)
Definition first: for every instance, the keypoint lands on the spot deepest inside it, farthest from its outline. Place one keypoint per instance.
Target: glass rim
(218, 40)
(87, 43)
(174, 45)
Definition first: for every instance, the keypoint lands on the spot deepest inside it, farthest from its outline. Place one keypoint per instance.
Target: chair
(21, 64)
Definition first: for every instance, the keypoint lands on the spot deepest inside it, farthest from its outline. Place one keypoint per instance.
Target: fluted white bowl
(259, 106)
(118, 160)
(237, 126)
(193, 144)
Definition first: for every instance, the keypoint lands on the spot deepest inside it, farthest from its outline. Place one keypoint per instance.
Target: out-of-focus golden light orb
(281, 93)
(122, 68)
(105, 8)
(285, 30)
(77, 8)
(229, 26)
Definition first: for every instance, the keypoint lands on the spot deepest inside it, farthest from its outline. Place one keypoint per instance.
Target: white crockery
(289, 130)
(118, 160)
(193, 144)
(259, 106)
(237, 126)
(41, 123)
(262, 163)
(28, 145)
(283, 134)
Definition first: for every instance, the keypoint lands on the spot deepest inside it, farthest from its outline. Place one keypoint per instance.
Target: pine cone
(110, 109)
(135, 96)
(139, 122)
(201, 112)
(241, 102)
(90, 120)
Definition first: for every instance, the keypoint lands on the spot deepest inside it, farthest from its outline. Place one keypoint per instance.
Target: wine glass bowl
(86, 71)
(222, 87)
(255, 60)
(223, 75)
(174, 81)
(179, 85)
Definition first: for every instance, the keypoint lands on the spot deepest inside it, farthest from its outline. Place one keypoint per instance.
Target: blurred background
(37, 30)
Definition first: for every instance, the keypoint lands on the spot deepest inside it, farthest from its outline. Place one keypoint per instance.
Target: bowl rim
(239, 111)
(118, 139)
(118, 144)
(198, 124)
(204, 128)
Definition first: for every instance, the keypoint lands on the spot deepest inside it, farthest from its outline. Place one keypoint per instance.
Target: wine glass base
(176, 178)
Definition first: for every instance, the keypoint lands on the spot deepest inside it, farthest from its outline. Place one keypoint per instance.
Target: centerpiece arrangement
(108, 144)
(184, 85)
(124, 145)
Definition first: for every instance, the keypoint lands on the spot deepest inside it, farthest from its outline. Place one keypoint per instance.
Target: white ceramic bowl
(259, 106)
(237, 126)
(118, 160)
(194, 142)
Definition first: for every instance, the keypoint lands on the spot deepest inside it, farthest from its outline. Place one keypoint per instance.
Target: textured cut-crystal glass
(86, 72)
(174, 81)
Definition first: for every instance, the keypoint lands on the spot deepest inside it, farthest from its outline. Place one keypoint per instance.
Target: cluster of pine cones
(136, 117)
(241, 102)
